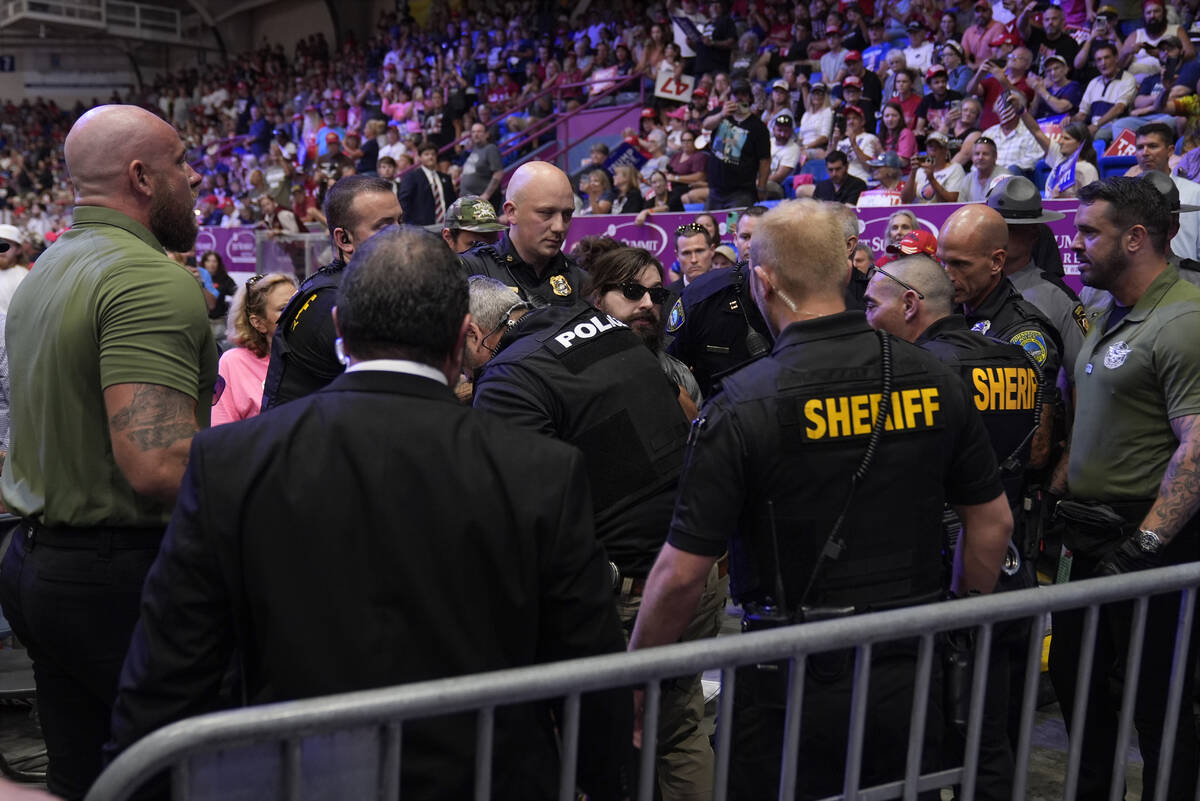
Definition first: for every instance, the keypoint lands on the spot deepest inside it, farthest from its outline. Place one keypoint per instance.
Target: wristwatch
(1149, 541)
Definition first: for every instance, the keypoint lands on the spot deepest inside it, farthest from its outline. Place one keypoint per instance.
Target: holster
(1092, 529)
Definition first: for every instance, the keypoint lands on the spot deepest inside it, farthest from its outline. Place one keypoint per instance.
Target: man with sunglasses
(715, 326)
(912, 298)
(627, 285)
(11, 273)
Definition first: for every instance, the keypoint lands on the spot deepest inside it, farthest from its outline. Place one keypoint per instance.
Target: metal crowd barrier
(268, 752)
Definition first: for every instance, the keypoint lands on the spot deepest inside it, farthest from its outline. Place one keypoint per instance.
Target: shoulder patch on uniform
(675, 318)
(1081, 318)
(1117, 353)
(560, 285)
(1034, 344)
(982, 326)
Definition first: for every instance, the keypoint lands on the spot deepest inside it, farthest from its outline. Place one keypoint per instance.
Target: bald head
(103, 142)
(973, 246)
(539, 205)
(930, 279)
(906, 296)
(126, 159)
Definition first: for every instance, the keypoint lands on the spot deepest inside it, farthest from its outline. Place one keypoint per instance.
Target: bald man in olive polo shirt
(115, 366)
(1135, 447)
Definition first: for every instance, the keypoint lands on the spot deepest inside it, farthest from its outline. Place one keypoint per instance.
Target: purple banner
(234, 245)
(658, 234)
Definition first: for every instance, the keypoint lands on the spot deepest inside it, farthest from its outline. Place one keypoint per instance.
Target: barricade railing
(220, 755)
(300, 254)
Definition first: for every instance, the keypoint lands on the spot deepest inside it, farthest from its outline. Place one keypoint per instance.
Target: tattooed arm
(1179, 493)
(151, 428)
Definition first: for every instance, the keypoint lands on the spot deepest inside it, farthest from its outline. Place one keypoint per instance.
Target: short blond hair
(252, 300)
(804, 243)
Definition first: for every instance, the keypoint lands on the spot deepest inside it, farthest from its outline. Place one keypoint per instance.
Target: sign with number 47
(666, 85)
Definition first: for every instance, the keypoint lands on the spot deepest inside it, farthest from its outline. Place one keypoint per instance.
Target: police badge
(560, 286)
(1116, 355)
(675, 318)
(982, 326)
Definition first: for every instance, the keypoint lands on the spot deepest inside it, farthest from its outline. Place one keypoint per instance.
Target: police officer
(1020, 204)
(1098, 301)
(769, 471)
(912, 298)
(579, 375)
(972, 246)
(538, 206)
(303, 358)
(716, 326)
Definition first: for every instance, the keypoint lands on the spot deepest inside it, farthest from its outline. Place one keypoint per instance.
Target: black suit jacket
(851, 188)
(375, 533)
(416, 196)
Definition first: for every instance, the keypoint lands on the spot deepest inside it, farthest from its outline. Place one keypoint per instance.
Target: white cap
(10, 233)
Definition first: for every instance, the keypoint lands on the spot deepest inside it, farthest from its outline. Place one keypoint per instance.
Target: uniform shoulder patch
(1034, 344)
(1081, 318)
(675, 318)
(982, 327)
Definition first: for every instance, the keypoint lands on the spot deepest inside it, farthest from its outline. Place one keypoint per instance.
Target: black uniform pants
(1104, 691)
(74, 608)
(733, 199)
(759, 714)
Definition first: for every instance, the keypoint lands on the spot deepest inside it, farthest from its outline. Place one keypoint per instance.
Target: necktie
(439, 203)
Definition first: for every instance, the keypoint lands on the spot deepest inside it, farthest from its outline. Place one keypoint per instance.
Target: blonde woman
(251, 325)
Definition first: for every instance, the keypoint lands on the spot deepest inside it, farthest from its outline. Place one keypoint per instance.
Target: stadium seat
(1115, 165)
(1041, 171)
(693, 208)
(815, 168)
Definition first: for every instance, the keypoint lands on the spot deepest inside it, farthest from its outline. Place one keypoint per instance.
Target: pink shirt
(244, 374)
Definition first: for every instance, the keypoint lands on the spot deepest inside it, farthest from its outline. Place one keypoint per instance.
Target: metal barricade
(300, 255)
(268, 752)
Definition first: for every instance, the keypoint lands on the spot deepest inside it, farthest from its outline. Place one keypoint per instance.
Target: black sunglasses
(635, 291)
(871, 274)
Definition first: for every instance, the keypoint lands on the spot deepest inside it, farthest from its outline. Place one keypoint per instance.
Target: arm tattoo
(156, 418)
(1179, 493)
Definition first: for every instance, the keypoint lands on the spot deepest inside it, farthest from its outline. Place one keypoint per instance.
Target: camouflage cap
(471, 213)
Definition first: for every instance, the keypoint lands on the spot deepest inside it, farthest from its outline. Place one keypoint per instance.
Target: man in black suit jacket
(840, 186)
(416, 189)
(375, 533)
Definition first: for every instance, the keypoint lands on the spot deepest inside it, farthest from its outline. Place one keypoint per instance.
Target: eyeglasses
(254, 279)
(635, 292)
(871, 274)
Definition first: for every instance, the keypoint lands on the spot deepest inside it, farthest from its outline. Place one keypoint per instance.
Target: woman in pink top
(253, 316)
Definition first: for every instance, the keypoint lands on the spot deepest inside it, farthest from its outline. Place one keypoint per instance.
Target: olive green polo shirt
(103, 306)
(1130, 383)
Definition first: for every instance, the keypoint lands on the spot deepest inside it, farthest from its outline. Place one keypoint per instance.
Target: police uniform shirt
(561, 282)
(708, 322)
(1001, 381)
(776, 448)
(1061, 306)
(580, 376)
(1130, 383)
(1004, 314)
(303, 358)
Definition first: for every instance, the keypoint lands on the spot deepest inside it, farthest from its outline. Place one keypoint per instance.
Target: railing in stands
(275, 748)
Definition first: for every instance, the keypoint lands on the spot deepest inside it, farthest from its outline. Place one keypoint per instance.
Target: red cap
(914, 242)
(1006, 38)
(213, 199)
(853, 55)
(648, 114)
(332, 137)
(850, 108)
(852, 80)
(699, 91)
(833, 30)
(936, 69)
(885, 258)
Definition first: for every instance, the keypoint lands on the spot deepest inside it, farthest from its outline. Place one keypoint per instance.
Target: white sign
(666, 85)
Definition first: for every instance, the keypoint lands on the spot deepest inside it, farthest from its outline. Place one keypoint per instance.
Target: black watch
(1149, 541)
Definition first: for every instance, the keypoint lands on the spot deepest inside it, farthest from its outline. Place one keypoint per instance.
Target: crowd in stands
(923, 101)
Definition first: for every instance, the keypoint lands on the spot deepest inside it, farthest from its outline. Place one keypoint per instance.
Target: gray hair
(490, 300)
(929, 278)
